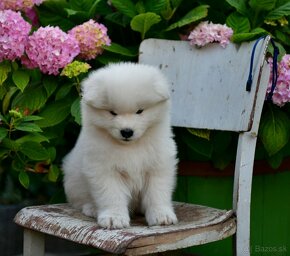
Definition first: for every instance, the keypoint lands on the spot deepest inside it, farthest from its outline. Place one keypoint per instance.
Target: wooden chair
(208, 92)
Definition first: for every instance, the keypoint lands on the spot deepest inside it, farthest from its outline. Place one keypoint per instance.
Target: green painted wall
(270, 212)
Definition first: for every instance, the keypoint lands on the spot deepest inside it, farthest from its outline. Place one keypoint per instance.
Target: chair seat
(197, 225)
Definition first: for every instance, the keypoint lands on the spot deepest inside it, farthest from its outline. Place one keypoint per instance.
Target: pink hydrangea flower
(207, 32)
(281, 94)
(18, 5)
(91, 37)
(50, 49)
(14, 31)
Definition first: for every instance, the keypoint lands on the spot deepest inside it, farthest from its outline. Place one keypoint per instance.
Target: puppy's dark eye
(113, 113)
(139, 111)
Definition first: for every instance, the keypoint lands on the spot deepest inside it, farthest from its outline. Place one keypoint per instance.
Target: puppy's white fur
(108, 175)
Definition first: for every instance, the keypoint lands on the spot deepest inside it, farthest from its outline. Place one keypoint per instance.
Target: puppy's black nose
(127, 133)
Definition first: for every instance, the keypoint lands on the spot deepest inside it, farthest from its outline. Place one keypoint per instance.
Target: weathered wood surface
(194, 222)
(208, 83)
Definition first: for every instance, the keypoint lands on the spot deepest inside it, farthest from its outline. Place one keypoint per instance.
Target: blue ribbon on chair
(274, 68)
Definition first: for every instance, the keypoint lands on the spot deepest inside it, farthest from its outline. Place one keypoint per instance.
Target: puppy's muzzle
(127, 133)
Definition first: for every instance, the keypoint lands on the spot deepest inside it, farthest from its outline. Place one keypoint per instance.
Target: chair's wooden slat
(208, 84)
(68, 223)
(182, 239)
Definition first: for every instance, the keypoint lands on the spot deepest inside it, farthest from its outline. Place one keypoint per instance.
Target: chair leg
(242, 192)
(242, 244)
(33, 244)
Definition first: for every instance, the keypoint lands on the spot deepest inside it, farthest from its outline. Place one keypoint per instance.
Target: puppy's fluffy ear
(92, 91)
(161, 86)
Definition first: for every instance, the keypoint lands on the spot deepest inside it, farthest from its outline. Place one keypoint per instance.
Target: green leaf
(3, 153)
(140, 8)
(240, 5)
(93, 7)
(50, 84)
(82, 5)
(54, 113)
(282, 37)
(7, 99)
(3, 133)
(202, 133)
(63, 91)
(34, 150)
(3, 91)
(53, 173)
(175, 3)
(20, 79)
(28, 127)
(5, 68)
(118, 18)
(239, 23)
(221, 161)
(53, 13)
(283, 10)
(192, 16)
(105, 59)
(276, 159)
(116, 48)
(70, 12)
(126, 7)
(144, 21)
(255, 33)
(36, 137)
(199, 145)
(262, 4)
(155, 6)
(32, 99)
(24, 179)
(76, 111)
(31, 118)
(168, 12)
(10, 144)
(52, 153)
(274, 130)
(282, 50)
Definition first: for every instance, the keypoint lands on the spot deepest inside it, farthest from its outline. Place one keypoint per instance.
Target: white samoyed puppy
(125, 158)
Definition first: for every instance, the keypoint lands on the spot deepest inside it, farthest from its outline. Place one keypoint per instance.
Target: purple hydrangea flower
(91, 37)
(18, 5)
(14, 31)
(207, 32)
(50, 49)
(281, 94)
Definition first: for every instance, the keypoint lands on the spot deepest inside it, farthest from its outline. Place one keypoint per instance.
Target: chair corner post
(33, 243)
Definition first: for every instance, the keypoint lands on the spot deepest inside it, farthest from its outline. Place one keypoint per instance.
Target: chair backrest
(209, 92)
(209, 83)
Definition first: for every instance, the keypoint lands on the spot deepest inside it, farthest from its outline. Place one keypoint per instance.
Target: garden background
(48, 47)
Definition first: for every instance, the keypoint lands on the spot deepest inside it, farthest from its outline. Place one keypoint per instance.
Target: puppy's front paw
(159, 216)
(89, 210)
(112, 220)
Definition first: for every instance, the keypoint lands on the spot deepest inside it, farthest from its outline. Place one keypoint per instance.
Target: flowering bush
(35, 108)
(47, 47)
